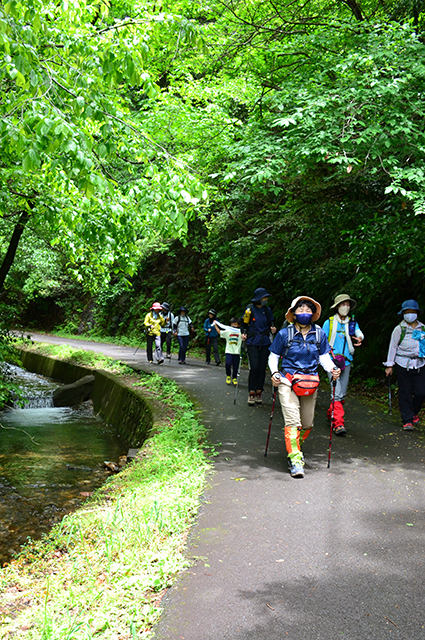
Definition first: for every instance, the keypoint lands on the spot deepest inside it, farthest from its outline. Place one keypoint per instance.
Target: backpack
(291, 334)
(403, 333)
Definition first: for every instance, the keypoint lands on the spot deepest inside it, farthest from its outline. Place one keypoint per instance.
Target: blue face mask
(303, 318)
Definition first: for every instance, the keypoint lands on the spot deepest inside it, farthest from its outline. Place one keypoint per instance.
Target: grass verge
(102, 571)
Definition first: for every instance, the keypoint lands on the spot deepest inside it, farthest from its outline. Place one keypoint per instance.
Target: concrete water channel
(51, 459)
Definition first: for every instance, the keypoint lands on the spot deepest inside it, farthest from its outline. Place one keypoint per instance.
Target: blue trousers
(183, 344)
(232, 359)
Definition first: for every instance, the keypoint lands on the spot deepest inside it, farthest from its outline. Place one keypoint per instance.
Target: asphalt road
(337, 554)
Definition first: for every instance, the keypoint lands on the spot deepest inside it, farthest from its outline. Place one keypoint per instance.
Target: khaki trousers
(298, 414)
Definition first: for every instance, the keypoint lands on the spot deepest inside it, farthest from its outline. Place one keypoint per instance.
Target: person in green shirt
(232, 335)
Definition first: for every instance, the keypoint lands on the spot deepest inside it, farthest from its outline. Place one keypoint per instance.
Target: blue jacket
(209, 325)
(256, 324)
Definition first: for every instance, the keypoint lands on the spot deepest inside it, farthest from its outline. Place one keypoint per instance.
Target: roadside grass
(78, 356)
(102, 571)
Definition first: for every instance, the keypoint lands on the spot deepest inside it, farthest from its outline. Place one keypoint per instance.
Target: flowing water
(50, 459)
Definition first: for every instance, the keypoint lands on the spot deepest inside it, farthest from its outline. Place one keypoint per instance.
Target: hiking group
(294, 354)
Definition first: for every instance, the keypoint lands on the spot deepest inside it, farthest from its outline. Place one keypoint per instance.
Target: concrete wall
(120, 405)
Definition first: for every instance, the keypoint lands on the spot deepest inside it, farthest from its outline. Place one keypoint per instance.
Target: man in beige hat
(302, 345)
(343, 334)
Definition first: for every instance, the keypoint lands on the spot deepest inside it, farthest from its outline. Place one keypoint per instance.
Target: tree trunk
(357, 12)
(13, 245)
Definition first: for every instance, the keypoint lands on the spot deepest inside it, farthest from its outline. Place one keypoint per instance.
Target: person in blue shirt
(257, 324)
(302, 345)
(343, 335)
(211, 338)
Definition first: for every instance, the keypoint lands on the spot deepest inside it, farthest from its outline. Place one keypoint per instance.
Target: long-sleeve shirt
(169, 321)
(232, 335)
(406, 352)
(303, 354)
(209, 325)
(257, 321)
(153, 322)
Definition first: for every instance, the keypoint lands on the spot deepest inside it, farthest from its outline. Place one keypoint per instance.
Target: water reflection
(48, 458)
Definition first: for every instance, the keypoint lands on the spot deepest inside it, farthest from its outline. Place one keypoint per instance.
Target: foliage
(90, 176)
(304, 122)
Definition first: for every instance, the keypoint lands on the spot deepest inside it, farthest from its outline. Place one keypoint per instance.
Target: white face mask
(344, 309)
(410, 317)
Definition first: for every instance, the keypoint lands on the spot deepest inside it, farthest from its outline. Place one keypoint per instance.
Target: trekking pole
(389, 393)
(270, 424)
(332, 422)
(136, 351)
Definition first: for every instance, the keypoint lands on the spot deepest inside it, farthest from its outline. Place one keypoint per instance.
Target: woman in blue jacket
(302, 345)
(211, 337)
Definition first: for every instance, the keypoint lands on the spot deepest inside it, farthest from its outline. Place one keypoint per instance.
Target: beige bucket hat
(290, 314)
(342, 297)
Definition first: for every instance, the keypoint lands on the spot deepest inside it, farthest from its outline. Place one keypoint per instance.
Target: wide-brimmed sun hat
(409, 304)
(183, 309)
(156, 307)
(165, 306)
(343, 297)
(290, 314)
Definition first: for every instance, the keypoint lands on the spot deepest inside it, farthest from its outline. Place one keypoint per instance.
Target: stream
(51, 459)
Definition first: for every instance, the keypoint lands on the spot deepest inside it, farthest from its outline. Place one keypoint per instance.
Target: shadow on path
(338, 554)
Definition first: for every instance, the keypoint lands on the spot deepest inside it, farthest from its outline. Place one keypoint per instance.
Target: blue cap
(409, 304)
(259, 294)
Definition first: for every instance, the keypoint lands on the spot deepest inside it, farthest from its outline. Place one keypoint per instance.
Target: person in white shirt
(182, 327)
(406, 356)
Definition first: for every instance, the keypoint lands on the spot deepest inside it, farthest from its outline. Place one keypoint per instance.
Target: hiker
(406, 354)
(183, 328)
(257, 324)
(233, 338)
(343, 334)
(167, 329)
(211, 338)
(153, 323)
(302, 345)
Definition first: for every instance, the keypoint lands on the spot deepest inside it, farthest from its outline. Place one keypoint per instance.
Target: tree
(75, 157)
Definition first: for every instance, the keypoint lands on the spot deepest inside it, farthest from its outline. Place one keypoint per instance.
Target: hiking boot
(235, 381)
(408, 426)
(217, 364)
(340, 430)
(296, 469)
(258, 398)
(168, 356)
(160, 361)
(207, 362)
(150, 361)
(228, 380)
(415, 420)
(251, 398)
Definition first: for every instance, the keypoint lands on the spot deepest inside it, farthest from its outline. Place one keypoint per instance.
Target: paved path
(338, 554)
